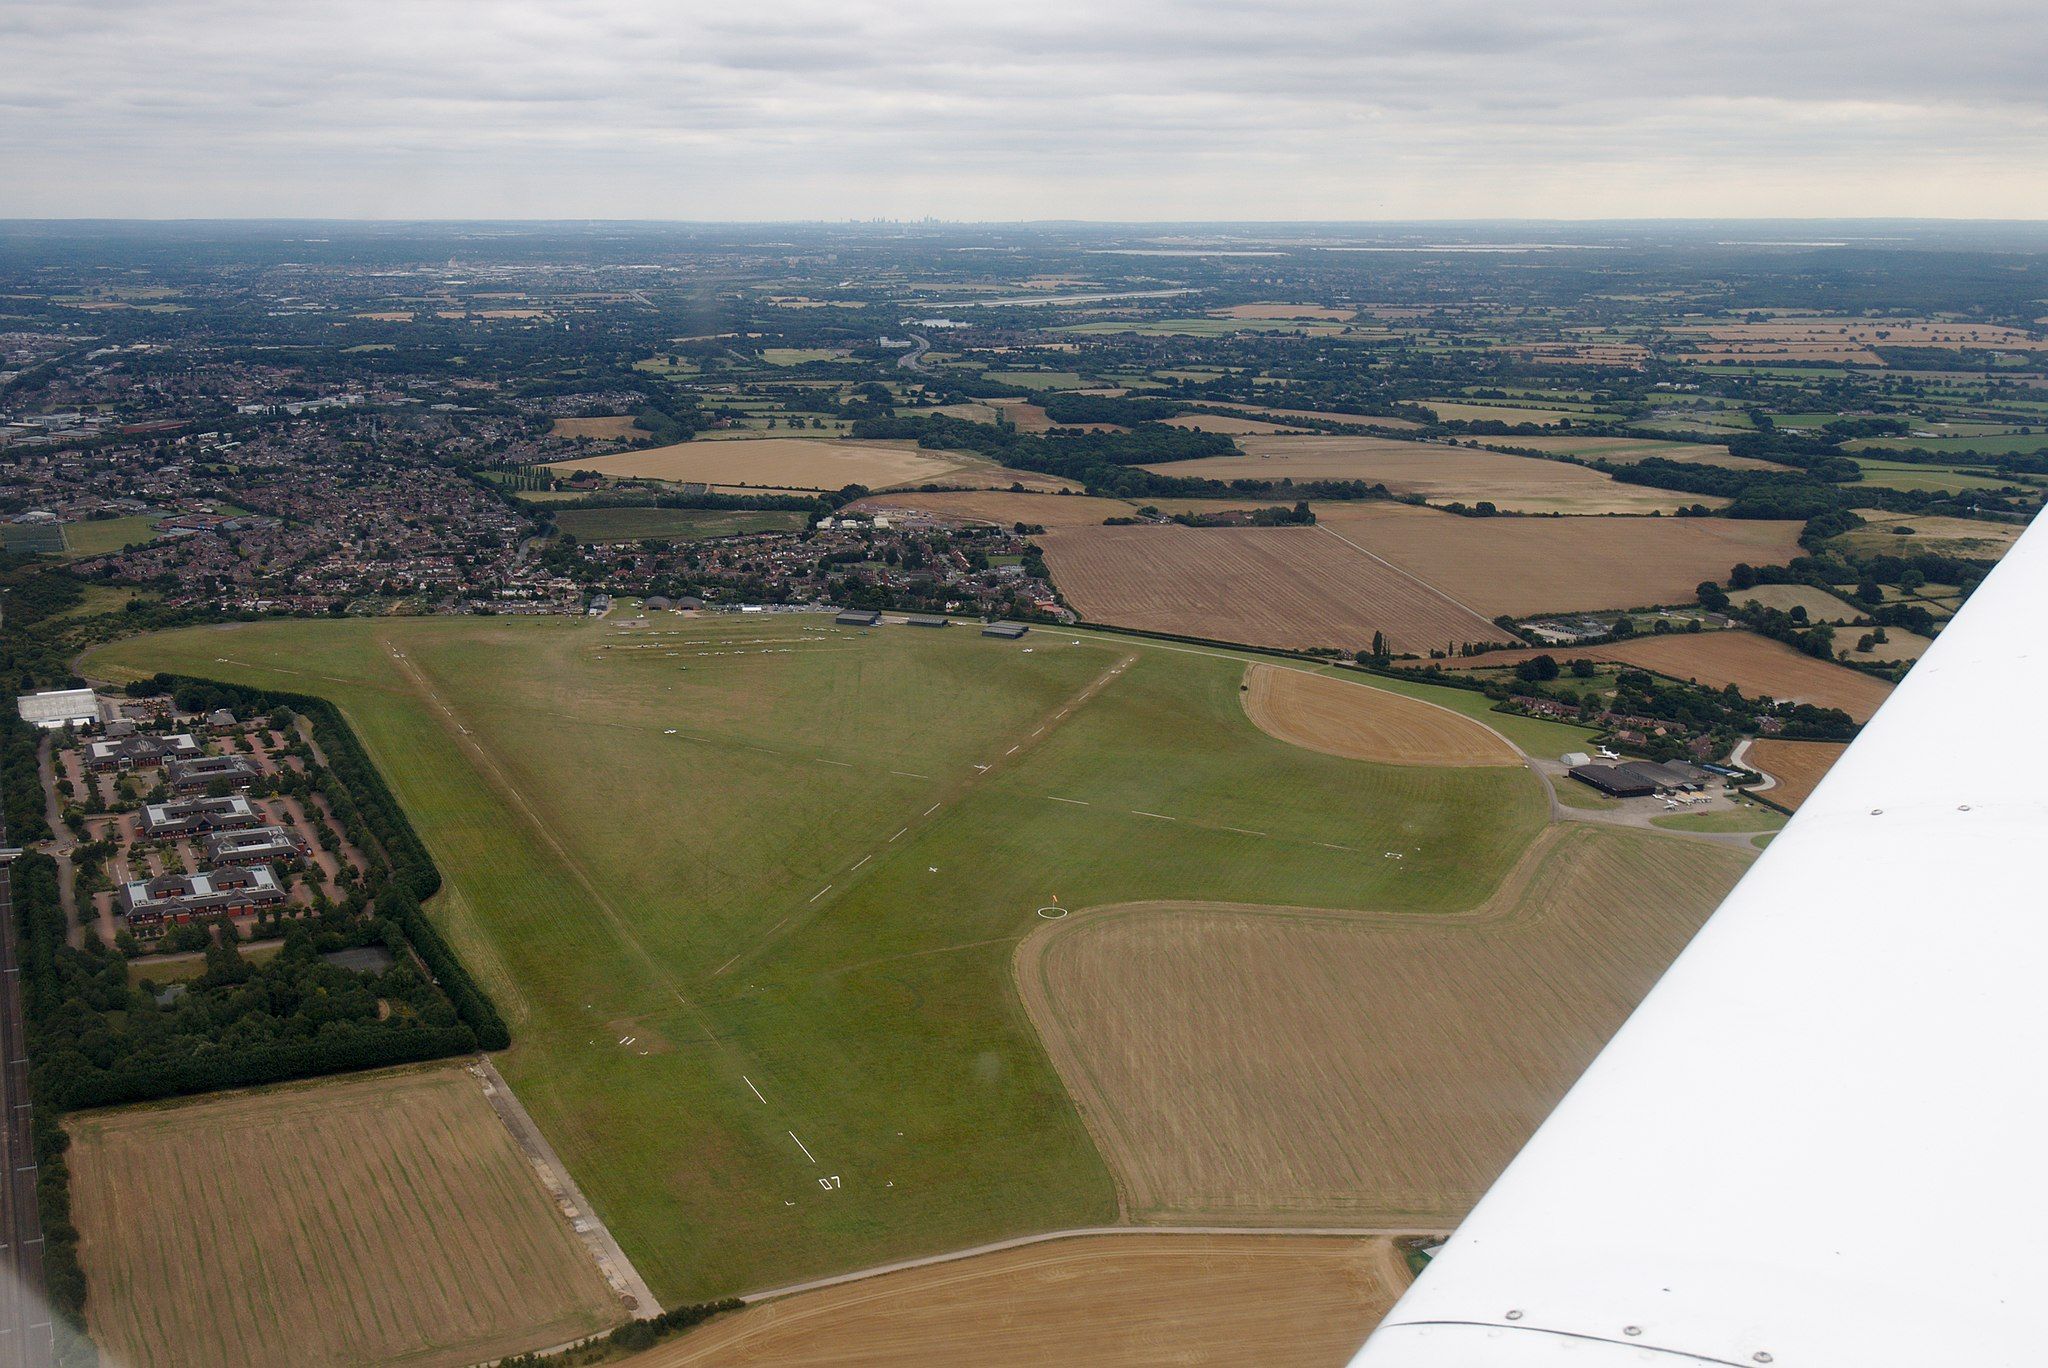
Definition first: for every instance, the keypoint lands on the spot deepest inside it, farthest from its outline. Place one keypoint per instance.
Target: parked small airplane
(1606, 754)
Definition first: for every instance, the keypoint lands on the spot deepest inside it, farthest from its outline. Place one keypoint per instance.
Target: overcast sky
(1024, 109)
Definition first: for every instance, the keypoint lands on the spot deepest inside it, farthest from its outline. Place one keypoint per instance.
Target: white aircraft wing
(1822, 1140)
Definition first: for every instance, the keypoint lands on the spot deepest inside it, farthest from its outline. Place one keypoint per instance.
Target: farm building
(140, 751)
(257, 845)
(858, 617)
(1614, 780)
(1008, 631)
(180, 897)
(182, 817)
(186, 775)
(928, 620)
(58, 708)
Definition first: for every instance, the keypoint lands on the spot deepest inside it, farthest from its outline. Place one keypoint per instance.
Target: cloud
(1148, 109)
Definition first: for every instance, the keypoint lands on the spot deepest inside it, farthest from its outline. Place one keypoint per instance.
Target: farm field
(1264, 1065)
(1929, 532)
(1797, 766)
(1913, 478)
(1756, 665)
(1544, 565)
(1981, 444)
(378, 1218)
(1899, 644)
(1270, 411)
(1280, 586)
(1476, 412)
(615, 427)
(1628, 450)
(1236, 426)
(1108, 1301)
(673, 524)
(797, 462)
(1339, 717)
(773, 945)
(1442, 473)
(1820, 605)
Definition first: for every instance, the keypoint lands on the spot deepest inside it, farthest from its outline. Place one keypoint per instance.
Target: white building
(58, 708)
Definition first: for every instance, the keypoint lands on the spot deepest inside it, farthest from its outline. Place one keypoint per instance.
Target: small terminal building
(1008, 631)
(859, 617)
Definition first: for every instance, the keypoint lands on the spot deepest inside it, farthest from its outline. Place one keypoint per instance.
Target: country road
(26, 1335)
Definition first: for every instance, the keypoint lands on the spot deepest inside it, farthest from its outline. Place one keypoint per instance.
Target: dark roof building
(1614, 780)
(1008, 631)
(140, 751)
(182, 817)
(257, 845)
(928, 620)
(185, 775)
(180, 897)
(858, 617)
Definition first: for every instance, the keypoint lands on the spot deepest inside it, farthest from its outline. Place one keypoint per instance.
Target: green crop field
(96, 537)
(748, 890)
(1904, 475)
(671, 524)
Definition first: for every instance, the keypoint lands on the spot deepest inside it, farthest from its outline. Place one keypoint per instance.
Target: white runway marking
(821, 892)
(862, 860)
(1160, 815)
(906, 774)
(802, 1146)
(754, 1090)
(727, 965)
(930, 810)
(1075, 801)
(1245, 831)
(899, 833)
(841, 763)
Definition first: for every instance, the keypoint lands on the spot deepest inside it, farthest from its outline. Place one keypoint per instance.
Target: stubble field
(1798, 766)
(386, 1217)
(1440, 473)
(1256, 1065)
(1282, 586)
(801, 463)
(1108, 1301)
(1756, 665)
(1341, 717)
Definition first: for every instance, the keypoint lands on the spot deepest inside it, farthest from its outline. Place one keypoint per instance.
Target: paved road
(914, 358)
(25, 1331)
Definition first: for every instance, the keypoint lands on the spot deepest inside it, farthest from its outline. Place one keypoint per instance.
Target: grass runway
(749, 898)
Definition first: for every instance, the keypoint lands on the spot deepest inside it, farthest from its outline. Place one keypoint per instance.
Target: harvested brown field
(1756, 665)
(379, 1218)
(1544, 565)
(1259, 1065)
(1359, 722)
(1002, 507)
(1797, 766)
(1442, 473)
(1107, 1301)
(1629, 450)
(1898, 644)
(617, 427)
(1026, 416)
(797, 462)
(1277, 586)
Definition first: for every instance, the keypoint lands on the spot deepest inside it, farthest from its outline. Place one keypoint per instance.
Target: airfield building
(1616, 781)
(928, 620)
(858, 617)
(1008, 631)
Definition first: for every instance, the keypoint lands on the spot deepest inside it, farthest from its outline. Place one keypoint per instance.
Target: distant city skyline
(1145, 111)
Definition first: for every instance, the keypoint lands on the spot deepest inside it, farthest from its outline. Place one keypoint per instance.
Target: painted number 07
(829, 1184)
